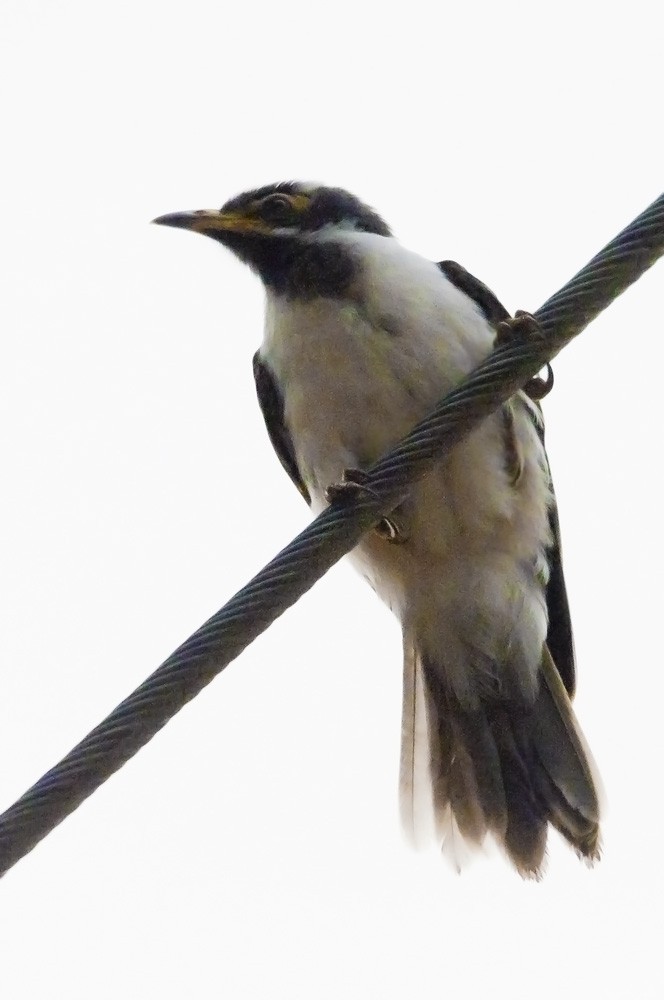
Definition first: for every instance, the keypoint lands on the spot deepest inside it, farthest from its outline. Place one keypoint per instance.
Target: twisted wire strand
(297, 567)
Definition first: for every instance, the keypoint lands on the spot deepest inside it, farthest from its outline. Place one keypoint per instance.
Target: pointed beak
(212, 222)
(199, 222)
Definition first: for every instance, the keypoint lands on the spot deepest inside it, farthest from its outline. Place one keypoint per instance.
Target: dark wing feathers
(559, 636)
(494, 311)
(272, 408)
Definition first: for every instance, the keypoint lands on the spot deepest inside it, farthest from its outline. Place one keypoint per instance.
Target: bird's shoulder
(490, 306)
(398, 264)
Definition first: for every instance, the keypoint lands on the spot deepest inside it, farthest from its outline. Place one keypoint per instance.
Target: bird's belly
(468, 577)
(475, 540)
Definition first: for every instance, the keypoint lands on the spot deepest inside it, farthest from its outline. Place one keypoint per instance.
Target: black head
(286, 233)
(306, 208)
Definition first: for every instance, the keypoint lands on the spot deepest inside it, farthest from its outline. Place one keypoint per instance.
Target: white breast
(356, 375)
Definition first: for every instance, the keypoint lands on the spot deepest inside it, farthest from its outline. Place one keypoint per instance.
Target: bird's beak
(212, 222)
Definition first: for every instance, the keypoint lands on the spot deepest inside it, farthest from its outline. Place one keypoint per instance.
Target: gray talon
(353, 482)
(537, 388)
(392, 530)
(523, 326)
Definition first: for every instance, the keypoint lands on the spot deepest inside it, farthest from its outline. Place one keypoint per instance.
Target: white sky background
(252, 849)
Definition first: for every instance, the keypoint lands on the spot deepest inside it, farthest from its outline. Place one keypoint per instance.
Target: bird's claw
(537, 388)
(392, 529)
(521, 327)
(354, 483)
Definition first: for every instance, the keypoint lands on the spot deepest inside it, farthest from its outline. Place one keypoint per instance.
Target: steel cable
(297, 567)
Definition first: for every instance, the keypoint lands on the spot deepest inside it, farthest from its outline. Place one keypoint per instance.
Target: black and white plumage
(362, 338)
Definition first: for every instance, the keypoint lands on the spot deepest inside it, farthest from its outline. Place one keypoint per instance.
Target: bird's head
(286, 232)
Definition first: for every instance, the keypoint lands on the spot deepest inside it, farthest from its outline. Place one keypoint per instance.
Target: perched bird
(362, 338)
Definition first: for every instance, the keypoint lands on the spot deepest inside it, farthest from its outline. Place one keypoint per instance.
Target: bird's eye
(276, 208)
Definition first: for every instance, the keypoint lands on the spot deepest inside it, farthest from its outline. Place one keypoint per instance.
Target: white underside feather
(355, 376)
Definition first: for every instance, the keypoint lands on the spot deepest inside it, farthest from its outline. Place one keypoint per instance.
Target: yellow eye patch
(263, 215)
(300, 202)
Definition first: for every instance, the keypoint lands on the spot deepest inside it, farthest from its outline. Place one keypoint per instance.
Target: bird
(362, 337)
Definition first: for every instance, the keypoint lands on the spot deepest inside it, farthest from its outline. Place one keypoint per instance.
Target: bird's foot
(520, 327)
(354, 483)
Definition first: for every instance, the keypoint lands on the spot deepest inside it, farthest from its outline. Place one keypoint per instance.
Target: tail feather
(418, 743)
(476, 792)
(464, 792)
(505, 767)
(525, 836)
(565, 777)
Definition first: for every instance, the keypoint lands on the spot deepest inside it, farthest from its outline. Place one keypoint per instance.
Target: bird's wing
(559, 636)
(493, 310)
(272, 408)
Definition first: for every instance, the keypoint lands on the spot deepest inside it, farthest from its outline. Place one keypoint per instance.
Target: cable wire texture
(297, 567)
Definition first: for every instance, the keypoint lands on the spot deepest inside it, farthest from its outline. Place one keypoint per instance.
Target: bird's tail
(501, 767)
